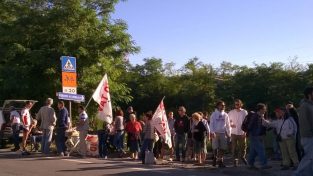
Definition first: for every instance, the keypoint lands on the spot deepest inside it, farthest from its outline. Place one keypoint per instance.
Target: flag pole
(88, 102)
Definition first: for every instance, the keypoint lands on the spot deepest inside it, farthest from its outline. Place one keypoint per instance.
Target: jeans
(305, 167)
(147, 145)
(46, 140)
(119, 140)
(102, 144)
(180, 143)
(16, 133)
(60, 140)
(256, 148)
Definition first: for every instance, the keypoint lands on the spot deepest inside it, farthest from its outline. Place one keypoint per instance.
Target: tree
(36, 33)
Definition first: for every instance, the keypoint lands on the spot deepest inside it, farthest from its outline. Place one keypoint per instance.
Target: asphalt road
(13, 164)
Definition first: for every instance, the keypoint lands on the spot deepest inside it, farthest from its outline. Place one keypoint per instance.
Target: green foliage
(198, 86)
(34, 34)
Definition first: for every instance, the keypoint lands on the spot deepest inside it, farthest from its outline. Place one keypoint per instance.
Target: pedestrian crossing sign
(68, 64)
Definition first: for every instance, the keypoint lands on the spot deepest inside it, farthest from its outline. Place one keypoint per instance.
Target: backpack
(246, 121)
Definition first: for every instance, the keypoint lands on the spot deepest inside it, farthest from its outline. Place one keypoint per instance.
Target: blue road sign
(68, 64)
(73, 97)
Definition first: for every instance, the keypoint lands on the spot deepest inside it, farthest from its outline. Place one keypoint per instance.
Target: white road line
(144, 169)
(77, 161)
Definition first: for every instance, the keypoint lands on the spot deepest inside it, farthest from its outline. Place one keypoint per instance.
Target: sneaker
(61, 154)
(266, 167)
(170, 159)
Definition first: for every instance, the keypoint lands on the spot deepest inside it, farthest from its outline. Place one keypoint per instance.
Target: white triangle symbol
(68, 65)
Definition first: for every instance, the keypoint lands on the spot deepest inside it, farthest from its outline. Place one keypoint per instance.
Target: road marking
(78, 161)
(144, 169)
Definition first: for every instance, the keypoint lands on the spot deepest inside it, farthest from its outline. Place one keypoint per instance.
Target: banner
(102, 97)
(159, 121)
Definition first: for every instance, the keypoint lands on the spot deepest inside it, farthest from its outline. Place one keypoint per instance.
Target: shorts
(220, 141)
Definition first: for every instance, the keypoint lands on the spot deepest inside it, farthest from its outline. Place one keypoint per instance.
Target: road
(13, 164)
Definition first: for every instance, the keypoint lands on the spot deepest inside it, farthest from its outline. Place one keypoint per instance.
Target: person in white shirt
(238, 137)
(220, 130)
(15, 120)
(26, 120)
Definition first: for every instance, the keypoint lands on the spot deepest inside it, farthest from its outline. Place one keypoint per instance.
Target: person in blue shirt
(61, 127)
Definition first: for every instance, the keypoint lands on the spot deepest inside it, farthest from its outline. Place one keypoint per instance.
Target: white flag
(160, 123)
(102, 97)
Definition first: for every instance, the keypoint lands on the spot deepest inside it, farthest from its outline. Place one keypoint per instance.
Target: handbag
(149, 157)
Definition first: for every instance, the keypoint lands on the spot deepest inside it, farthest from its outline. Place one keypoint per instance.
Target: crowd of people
(191, 137)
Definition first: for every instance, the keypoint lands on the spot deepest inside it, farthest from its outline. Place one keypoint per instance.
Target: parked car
(6, 131)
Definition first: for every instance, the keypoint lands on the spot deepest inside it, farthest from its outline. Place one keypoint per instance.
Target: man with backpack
(256, 132)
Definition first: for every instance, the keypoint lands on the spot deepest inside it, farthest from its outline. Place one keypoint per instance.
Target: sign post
(69, 82)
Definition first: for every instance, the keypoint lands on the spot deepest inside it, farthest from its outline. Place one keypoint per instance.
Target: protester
(198, 134)
(82, 127)
(15, 120)
(291, 110)
(148, 136)
(119, 132)
(276, 155)
(238, 137)
(129, 111)
(46, 115)
(171, 121)
(133, 129)
(206, 134)
(286, 130)
(103, 134)
(181, 127)
(305, 110)
(26, 120)
(220, 130)
(36, 135)
(61, 127)
(256, 132)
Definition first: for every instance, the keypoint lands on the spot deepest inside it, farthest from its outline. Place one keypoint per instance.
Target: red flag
(160, 123)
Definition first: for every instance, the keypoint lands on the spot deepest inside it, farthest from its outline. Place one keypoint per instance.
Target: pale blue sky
(238, 31)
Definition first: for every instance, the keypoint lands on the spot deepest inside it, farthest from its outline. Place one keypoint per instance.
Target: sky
(242, 32)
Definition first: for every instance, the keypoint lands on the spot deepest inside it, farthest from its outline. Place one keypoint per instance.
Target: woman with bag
(147, 145)
(286, 129)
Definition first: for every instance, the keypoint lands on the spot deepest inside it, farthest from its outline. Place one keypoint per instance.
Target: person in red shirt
(133, 129)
